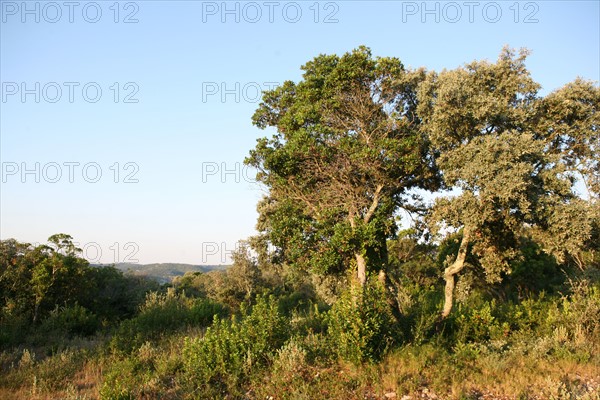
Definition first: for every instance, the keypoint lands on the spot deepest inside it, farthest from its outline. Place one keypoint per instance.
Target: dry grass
(428, 372)
(424, 372)
(66, 375)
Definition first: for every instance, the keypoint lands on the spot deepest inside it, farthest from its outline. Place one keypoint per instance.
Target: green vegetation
(494, 292)
(162, 272)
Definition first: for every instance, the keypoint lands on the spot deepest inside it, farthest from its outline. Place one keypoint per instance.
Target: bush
(300, 300)
(580, 310)
(13, 328)
(70, 321)
(530, 315)
(122, 379)
(162, 314)
(222, 360)
(150, 371)
(475, 324)
(420, 310)
(361, 325)
(44, 374)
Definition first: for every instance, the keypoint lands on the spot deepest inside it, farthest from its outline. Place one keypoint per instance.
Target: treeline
(50, 291)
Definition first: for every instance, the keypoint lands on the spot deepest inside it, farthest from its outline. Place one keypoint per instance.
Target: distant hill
(164, 272)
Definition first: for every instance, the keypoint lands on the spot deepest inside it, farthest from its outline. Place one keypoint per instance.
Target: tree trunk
(361, 264)
(35, 311)
(382, 278)
(451, 271)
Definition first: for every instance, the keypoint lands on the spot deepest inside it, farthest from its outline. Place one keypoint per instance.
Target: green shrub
(361, 325)
(580, 310)
(224, 358)
(150, 371)
(13, 328)
(122, 379)
(162, 314)
(475, 324)
(529, 315)
(44, 374)
(295, 301)
(420, 311)
(70, 321)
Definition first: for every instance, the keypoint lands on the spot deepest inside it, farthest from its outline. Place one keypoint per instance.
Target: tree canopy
(358, 133)
(346, 151)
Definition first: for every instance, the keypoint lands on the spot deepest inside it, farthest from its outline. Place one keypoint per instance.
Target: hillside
(164, 272)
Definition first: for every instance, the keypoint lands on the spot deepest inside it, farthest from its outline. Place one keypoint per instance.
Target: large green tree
(346, 151)
(502, 149)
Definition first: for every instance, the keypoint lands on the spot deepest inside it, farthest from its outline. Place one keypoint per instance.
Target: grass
(424, 371)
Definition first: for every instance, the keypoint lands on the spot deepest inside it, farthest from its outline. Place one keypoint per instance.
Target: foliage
(70, 321)
(52, 288)
(571, 127)
(412, 261)
(533, 272)
(345, 152)
(162, 314)
(579, 312)
(230, 351)
(492, 133)
(361, 325)
(539, 346)
(234, 286)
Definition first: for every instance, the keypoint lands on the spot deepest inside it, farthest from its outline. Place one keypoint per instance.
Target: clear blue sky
(175, 61)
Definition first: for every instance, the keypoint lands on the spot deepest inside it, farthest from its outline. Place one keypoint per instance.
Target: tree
(571, 125)
(16, 263)
(61, 276)
(346, 152)
(34, 280)
(571, 128)
(238, 284)
(485, 122)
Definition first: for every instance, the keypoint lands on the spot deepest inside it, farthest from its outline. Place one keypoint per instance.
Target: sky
(125, 123)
